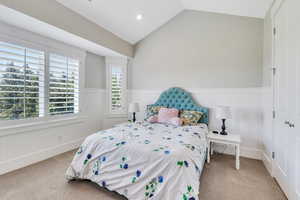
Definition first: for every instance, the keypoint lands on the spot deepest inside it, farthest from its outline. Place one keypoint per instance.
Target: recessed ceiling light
(139, 17)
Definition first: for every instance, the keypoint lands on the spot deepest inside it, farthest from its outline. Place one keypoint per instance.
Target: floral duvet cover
(144, 161)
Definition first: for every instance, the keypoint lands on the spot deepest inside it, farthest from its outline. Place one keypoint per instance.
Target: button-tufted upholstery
(181, 100)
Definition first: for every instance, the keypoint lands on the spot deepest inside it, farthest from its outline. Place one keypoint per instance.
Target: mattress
(144, 161)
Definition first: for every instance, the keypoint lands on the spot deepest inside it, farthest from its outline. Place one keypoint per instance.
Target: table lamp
(133, 108)
(223, 113)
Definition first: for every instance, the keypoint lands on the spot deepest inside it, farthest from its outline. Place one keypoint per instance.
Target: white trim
(35, 157)
(33, 126)
(267, 162)
(114, 115)
(123, 63)
(275, 7)
(203, 91)
(28, 39)
(94, 90)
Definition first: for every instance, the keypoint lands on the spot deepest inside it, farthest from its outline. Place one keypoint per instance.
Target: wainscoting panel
(246, 110)
(23, 148)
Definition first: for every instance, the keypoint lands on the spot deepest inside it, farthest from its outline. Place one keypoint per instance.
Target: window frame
(123, 63)
(27, 45)
(48, 82)
(17, 36)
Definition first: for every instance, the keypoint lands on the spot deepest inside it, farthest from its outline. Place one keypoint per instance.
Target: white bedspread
(144, 161)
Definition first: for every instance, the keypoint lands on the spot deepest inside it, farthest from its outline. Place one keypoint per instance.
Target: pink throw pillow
(176, 121)
(153, 119)
(166, 114)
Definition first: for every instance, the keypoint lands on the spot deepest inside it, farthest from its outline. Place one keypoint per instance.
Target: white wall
(244, 102)
(30, 141)
(26, 147)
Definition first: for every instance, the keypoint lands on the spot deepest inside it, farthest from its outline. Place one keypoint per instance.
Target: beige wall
(51, 12)
(200, 50)
(95, 71)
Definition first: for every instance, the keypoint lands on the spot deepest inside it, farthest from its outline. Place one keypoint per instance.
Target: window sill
(33, 126)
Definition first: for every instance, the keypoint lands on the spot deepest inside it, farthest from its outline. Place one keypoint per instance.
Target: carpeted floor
(219, 181)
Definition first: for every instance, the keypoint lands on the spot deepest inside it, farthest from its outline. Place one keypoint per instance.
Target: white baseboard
(251, 153)
(23, 161)
(267, 162)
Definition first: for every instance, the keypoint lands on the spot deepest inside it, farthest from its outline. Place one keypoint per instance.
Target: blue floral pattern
(140, 159)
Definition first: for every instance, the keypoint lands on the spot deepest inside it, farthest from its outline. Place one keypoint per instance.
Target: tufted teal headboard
(181, 100)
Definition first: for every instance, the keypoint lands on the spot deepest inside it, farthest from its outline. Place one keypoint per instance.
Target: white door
(294, 96)
(281, 128)
(287, 99)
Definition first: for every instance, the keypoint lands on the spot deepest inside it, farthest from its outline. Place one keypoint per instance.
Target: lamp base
(223, 133)
(133, 118)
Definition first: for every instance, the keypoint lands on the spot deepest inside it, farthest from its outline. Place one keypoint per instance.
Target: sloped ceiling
(249, 8)
(119, 17)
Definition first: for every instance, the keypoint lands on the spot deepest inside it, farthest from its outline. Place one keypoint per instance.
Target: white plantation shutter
(63, 85)
(116, 88)
(21, 82)
(117, 85)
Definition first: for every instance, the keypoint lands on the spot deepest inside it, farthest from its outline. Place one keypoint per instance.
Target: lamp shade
(223, 112)
(133, 107)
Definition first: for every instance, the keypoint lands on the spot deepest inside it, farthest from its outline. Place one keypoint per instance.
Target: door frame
(277, 4)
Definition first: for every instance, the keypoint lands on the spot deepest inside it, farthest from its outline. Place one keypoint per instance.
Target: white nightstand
(229, 139)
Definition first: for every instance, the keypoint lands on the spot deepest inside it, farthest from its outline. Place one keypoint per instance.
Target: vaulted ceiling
(120, 17)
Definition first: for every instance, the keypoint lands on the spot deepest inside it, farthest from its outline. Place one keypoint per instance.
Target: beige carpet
(220, 181)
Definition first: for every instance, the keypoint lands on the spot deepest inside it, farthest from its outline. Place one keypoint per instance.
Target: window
(21, 82)
(117, 85)
(116, 88)
(63, 85)
(36, 83)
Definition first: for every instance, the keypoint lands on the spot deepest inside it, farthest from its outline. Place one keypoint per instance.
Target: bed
(147, 161)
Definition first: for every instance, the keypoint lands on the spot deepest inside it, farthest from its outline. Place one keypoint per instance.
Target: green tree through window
(21, 80)
(63, 85)
(24, 92)
(18, 96)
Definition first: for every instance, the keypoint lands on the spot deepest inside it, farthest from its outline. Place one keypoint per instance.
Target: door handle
(292, 125)
(287, 123)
